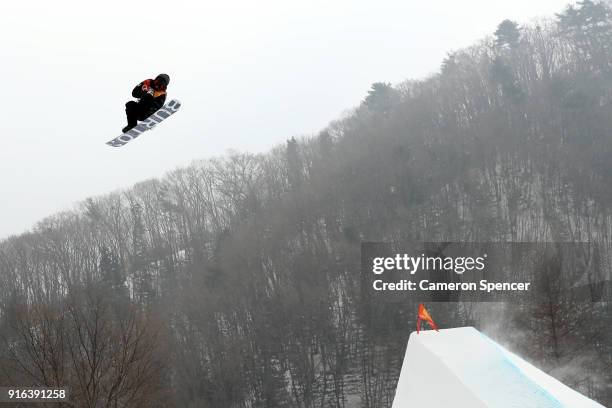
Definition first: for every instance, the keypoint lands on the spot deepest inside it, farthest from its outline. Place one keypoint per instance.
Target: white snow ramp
(463, 368)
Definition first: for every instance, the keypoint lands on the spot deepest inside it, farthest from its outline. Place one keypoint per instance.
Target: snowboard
(147, 124)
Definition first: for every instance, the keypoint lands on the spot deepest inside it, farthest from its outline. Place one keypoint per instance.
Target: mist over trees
(234, 282)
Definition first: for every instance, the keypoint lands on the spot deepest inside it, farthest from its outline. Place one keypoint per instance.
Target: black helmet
(164, 78)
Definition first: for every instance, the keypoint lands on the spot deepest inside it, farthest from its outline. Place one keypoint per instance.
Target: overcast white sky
(250, 75)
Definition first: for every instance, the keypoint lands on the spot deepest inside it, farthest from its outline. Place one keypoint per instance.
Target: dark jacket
(149, 103)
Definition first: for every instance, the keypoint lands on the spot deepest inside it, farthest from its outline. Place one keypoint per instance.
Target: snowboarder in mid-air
(151, 95)
(151, 109)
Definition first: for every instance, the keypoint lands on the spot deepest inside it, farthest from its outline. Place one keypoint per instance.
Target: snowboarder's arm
(142, 89)
(137, 91)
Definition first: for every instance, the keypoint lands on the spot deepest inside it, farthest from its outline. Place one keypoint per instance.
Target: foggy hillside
(234, 282)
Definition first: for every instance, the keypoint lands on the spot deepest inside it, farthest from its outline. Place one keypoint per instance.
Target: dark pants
(135, 112)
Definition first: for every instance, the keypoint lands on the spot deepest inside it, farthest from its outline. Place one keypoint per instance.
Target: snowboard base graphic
(147, 124)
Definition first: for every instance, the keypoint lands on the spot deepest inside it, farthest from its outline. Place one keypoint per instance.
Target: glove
(148, 89)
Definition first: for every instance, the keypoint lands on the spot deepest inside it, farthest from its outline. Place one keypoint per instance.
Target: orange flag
(424, 315)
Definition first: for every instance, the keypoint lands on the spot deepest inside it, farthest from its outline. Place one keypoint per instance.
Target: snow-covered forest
(234, 282)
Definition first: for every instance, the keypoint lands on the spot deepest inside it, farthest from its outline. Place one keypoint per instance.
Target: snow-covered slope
(463, 368)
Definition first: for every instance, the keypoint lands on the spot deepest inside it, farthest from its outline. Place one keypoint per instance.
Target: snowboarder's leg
(132, 112)
(144, 112)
